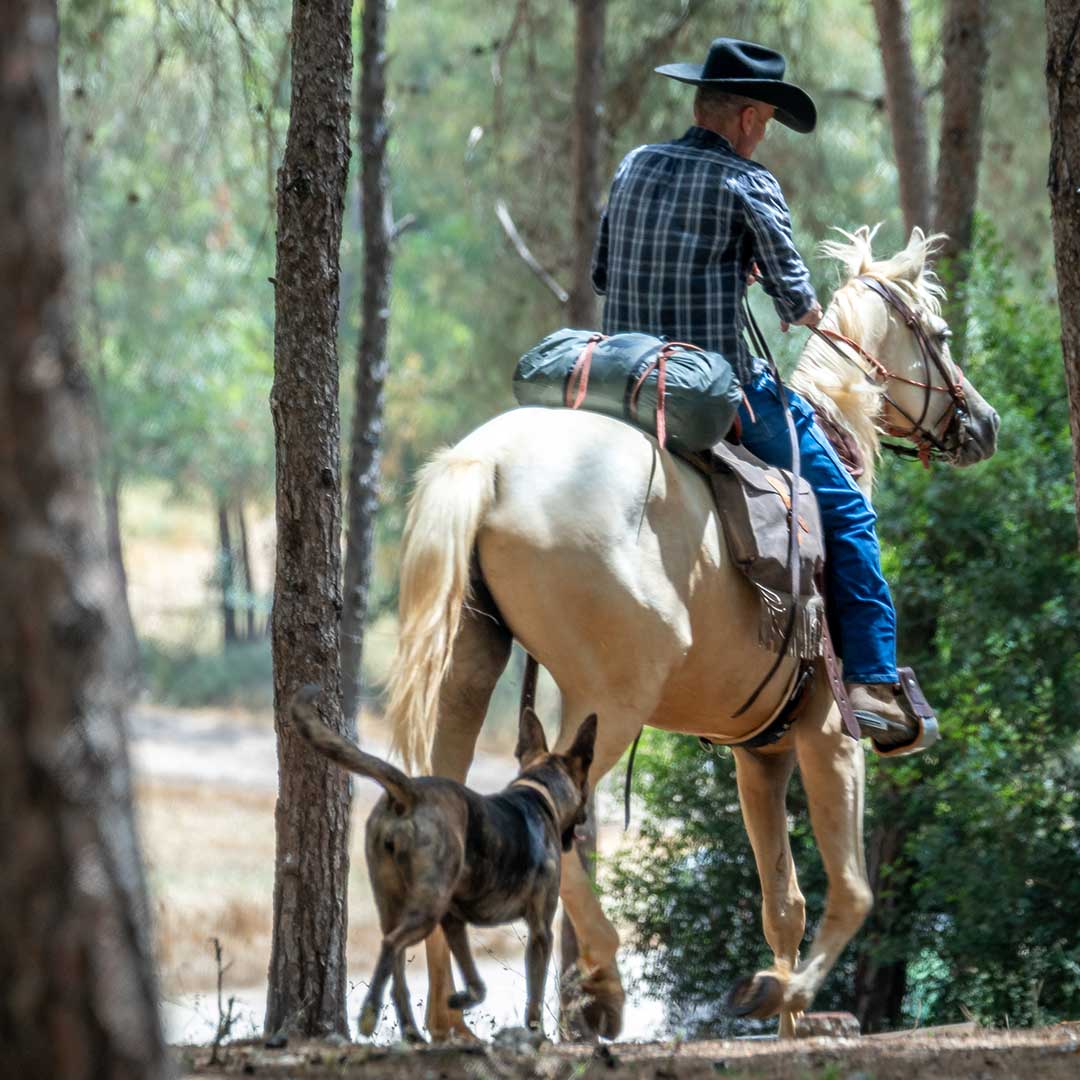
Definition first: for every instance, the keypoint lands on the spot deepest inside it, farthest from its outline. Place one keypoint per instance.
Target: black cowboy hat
(753, 71)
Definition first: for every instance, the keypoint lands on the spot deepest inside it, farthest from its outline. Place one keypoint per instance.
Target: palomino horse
(603, 556)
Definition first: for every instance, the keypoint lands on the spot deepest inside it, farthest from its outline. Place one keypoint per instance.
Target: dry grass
(209, 852)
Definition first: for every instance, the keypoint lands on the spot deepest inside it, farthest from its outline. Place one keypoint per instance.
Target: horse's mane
(833, 384)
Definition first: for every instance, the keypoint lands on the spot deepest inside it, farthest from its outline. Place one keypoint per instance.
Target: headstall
(947, 436)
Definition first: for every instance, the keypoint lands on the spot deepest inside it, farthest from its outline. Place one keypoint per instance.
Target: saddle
(753, 500)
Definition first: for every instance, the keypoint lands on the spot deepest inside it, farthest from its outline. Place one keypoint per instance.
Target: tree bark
(967, 52)
(307, 981)
(1063, 93)
(587, 130)
(371, 358)
(79, 995)
(226, 575)
(907, 112)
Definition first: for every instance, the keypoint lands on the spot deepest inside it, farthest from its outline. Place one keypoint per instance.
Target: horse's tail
(455, 491)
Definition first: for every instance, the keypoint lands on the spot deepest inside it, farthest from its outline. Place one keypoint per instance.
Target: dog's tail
(342, 752)
(453, 495)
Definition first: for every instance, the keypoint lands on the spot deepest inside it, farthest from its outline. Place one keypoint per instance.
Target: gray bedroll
(701, 392)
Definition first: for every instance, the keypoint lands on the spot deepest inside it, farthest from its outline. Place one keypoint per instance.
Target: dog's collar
(525, 782)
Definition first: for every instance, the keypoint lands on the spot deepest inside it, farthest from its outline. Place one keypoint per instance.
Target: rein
(929, 443)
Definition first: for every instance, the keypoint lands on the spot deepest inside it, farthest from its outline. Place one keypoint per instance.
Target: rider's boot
(884, 717)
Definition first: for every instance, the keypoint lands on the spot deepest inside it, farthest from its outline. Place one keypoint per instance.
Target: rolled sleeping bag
(621, 376)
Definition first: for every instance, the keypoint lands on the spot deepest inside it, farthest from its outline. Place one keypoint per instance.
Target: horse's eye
(944, 335)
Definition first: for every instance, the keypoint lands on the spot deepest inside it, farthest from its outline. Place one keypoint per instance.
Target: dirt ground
(1044, 1054)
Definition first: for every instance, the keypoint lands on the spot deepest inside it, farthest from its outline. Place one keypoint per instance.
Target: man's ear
(531, 740)
(584, 743)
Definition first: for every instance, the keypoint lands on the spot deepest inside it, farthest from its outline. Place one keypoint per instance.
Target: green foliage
(241, 675)
(984, 569)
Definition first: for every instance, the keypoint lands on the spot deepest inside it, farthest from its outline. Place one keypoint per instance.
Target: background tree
(80, 995)
(906, 110)
(371, 358)
(307, 964)
(1063, 92)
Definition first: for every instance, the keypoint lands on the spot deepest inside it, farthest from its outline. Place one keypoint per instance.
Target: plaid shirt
(683, 224)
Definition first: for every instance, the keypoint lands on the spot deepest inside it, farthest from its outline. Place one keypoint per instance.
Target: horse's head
(885, 363)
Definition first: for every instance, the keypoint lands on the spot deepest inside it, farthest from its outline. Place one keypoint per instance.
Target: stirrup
(913, 701)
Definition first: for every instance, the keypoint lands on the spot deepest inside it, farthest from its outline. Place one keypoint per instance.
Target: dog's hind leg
(412, 928)
(481, 650)
(458, 939)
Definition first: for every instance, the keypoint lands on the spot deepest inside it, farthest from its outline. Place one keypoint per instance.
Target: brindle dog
(441, 855)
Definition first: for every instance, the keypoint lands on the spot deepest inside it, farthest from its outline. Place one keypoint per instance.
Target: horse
(602, 555)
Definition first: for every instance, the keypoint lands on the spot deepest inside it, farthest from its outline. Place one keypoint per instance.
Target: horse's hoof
(755, 996)
(464, 999)
(369, 1021)
(603, 1007)
(412, 1036)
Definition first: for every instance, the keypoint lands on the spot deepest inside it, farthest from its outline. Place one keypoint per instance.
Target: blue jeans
(862, 618)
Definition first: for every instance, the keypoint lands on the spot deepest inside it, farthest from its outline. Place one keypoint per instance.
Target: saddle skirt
(753, 501)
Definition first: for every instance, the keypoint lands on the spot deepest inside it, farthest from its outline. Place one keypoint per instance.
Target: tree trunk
(907, 113)
(249, 577)
(371, 359)
(127, 639)
(1063, 92)
(588, 101)
(967, 54)
(880, 981)
(79, 996)
(307, 982)
(226, 575)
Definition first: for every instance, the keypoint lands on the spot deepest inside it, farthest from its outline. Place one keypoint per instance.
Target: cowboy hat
(752, 71)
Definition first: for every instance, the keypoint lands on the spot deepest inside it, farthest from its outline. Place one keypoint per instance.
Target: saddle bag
(683, 395)
(754, 504)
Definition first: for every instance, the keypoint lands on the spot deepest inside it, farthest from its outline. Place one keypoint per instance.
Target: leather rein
(939, 442)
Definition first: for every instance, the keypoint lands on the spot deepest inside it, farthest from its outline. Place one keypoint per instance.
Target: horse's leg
(481, 650)
(763, 779)
(598, 940)
(832, 768)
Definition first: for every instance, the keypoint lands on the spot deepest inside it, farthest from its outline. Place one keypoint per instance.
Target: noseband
(948, 435)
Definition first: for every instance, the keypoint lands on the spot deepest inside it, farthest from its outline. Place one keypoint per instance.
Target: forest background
(175, 115)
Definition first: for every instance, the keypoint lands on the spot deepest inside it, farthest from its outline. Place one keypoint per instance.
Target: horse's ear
(584, 744)
(916, 255)
(531, 739)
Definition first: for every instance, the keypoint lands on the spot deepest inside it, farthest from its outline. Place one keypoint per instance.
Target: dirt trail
(1046, 1054)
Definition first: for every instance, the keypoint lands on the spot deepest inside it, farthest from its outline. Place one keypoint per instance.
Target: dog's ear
(581, 753)
(531, 740)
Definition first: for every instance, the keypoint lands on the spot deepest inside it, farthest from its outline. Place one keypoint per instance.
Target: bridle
(950, 433)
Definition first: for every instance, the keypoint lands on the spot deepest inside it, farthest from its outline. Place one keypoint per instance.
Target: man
(686, 224)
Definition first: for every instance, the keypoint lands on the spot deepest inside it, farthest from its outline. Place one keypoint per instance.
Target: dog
(441, 855)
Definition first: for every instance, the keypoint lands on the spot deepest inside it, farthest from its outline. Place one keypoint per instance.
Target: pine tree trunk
(79, 995)
(226, 575)
(371, 359)
(881, 980)
(907, 113)
(967, 53)
(307, 983)
(1063, 92)
(127, 639)
(249, 578)
(588, 101)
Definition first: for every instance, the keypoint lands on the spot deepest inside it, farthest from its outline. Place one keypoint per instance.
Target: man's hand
(811, 318)
(753, 275)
